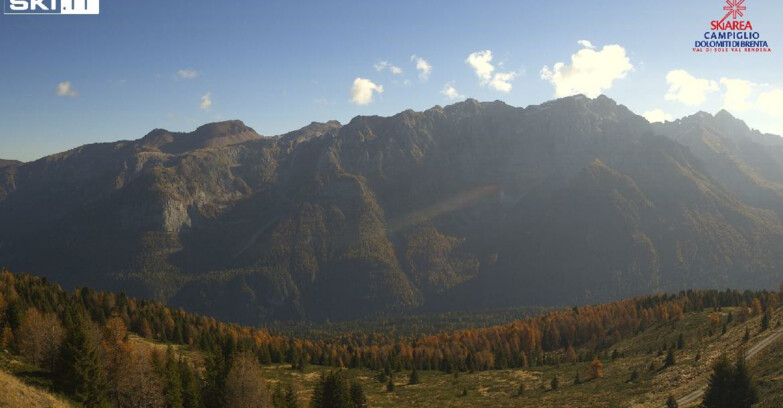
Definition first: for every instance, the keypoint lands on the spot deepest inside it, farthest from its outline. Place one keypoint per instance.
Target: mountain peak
(9, 163)
(314, 129)
(222, 129)
(722, 121)
(730, 124)
(601, 106)
(723, 113)
(217, 134)
(469, 105)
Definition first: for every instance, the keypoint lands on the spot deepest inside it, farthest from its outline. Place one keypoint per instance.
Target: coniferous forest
(105, 349)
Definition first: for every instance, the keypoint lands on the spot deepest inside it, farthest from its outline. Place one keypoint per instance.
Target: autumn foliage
(35, 316)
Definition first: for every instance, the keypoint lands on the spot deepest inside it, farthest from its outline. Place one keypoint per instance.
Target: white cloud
(424, 67)
(362, 91)
(737, 93)
(481, 63)
(187, 73)
(657, 115)
(686, 88)
(771, 102)
(387, 65)
(65, 89)
(591, 71)
(450, 92)
(586, 44)
(501, 81)
(206, 101)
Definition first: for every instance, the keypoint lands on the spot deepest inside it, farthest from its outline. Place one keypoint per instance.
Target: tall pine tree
(215, 373)
(172, 381)
(332, 391)
(730, 386)
(191, 386)
(290, 400)
(79, 367)
(358, 398)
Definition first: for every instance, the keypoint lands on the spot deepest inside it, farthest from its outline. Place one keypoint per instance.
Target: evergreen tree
(215, 373)
(746, 337)
(670, 358)
(79, 367)
(284, 397)
(172, 381)
(414, 378)
(191, 386)
(358, 398)
(746, 392)
(730, 386)
(718, 393)
(671, 402)
(302, 363)
(331, 391)
(680, 342)
(765, 322)
(290, 397)
(555, 383)
(390, 385)
(293, 357)
(521, 389)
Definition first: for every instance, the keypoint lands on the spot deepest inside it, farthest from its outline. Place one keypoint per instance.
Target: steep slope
(468, 206)
(747, 162)
(644, 215)
(17, 394)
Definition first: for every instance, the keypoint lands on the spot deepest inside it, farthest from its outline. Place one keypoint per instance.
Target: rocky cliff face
(468, 206)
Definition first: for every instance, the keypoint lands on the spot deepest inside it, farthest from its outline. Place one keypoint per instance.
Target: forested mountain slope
(465, 207)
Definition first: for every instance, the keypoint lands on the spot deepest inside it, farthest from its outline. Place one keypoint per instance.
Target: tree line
(82, 338)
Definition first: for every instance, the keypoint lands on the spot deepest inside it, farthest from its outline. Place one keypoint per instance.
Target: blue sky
(278, 65)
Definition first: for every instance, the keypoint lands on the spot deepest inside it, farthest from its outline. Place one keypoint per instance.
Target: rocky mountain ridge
(468, 206)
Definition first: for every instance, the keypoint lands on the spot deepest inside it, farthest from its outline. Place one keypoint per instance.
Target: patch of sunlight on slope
(16, 394)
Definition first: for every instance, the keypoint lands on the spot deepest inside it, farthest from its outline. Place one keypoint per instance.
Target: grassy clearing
(499, 388)
(16, 394)
(23, 385)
